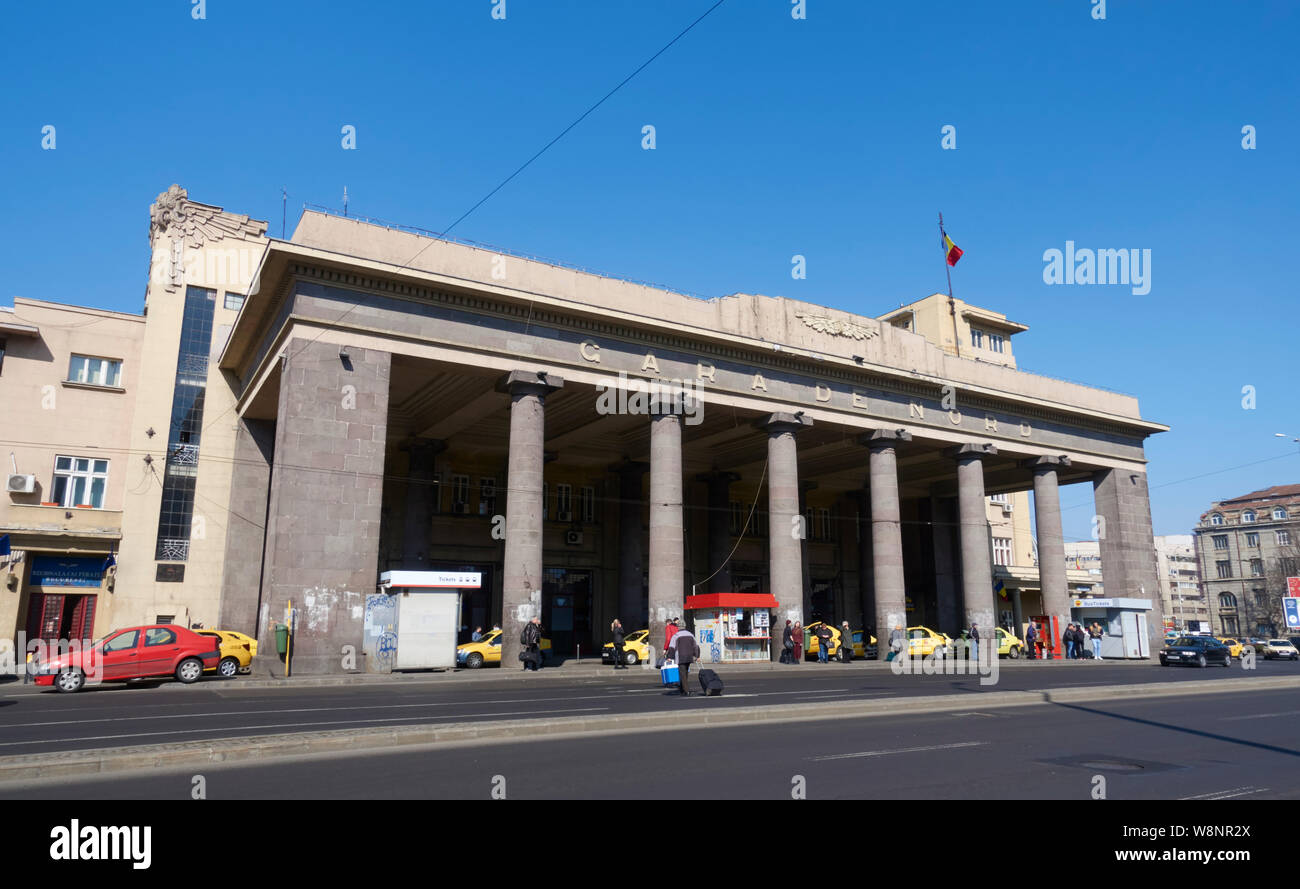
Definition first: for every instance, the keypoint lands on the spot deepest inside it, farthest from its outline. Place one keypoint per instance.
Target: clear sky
(774, 137)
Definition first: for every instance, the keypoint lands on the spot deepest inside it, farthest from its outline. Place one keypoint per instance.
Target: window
(234, 301)
(977, 338)
(3, 344)
(159, 636)
(1278, 513)
(999, 498)
(736, 518)
(1216, 519)
(564, 503)
(460, 494)
(1002, 551)
(1283, 537)
(1227, 600)
(1252, 538)
(1224, 568)
(1256, 567)
(587, 504)
(1290, 567)
(1248, 516)
(95, 371)
(546, 499)
(122, 641)
(1220, 541)
(487, 496)
(995, 342)
(80, 481)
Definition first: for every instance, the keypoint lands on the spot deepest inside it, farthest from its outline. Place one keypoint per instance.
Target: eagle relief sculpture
(836, 327)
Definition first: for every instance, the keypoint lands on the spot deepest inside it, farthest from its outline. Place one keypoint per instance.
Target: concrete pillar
(1128, 554)
(521, 592)
(250, 483)
(667, 537)
(1051, 539)
(785, 550)
(886, 533)
(947, 579)
(322, 544)
(719, 506)
(631, 538)
(417, 523)
(976, 563)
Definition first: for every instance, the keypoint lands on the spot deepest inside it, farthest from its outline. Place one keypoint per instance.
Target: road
(1233, 746)
(118, 715)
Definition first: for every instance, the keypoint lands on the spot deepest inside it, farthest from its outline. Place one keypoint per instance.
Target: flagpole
(947, 269)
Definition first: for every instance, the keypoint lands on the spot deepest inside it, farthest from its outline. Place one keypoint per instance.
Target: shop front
(732, 627)
(1123, 623)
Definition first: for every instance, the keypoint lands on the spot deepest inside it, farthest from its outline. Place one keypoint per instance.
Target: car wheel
(70, 680)
(630, 658)
(1014, 652)
(189, 670)
(228, 667)
(1200, 660)
(474, 661)
(1227, 661)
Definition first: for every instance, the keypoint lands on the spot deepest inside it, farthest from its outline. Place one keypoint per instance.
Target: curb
(24, 769)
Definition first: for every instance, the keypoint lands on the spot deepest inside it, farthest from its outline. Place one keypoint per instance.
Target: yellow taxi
(860, 650)
(487, 651)
(1009, 644)
(636, 648)
(923, 642)
(833, 650)
(237, 652)
(1234, 647)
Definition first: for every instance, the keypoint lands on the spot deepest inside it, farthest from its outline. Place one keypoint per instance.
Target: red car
(133, 653)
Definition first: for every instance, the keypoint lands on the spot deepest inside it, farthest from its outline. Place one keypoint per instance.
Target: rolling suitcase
(710, 683)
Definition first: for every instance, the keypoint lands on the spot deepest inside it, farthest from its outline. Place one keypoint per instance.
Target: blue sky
(775, 137)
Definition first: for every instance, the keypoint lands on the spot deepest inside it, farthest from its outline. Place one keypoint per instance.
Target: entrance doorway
(821, 605)
(566, 610)
(56, 616)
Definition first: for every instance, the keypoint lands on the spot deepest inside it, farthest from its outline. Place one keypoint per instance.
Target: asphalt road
(1240, 746)
(117, 715)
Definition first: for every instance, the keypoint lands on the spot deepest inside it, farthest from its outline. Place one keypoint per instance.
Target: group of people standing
(792, 643)
(1075, 638)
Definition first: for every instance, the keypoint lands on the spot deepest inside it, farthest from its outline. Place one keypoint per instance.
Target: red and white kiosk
(732, 628)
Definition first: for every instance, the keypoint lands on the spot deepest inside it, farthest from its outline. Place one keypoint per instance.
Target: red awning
(731, 600)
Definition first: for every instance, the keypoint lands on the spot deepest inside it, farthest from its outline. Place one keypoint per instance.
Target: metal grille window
(95, 371)
(587, 504)
(1002, 551)
(176, 516)
(564, 503)
(80, 481)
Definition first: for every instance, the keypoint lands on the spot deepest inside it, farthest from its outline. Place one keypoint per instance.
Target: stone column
(886, 533)
(785, 549)
(521, 591)
(943, 516)
(420, 491)
(631, 538)
(719, 506)
(326, 492)
(976, 563)
(667, 537)
(1128, 553)
(1051, 540)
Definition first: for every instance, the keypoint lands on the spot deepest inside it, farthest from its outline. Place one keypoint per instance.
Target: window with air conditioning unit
(21, 484)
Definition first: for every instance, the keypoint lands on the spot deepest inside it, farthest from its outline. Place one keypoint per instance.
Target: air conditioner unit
(460, 508)
(565, 516)
(21, 484)
(1008, 507)
(573, 538)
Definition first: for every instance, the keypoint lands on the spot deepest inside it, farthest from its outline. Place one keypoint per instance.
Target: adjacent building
(1183, 599)
(1246, 548)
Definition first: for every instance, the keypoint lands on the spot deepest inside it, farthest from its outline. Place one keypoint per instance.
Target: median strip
(26, 768)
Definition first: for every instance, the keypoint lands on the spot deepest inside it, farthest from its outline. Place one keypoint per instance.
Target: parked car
(859, 649)
(813, 643)
(487, 651)
(1197, 651)
(133, 653)
(636, 648)
(1234, 647)
(237, 652)
(923, 641)
(1280, 648)
(1009, 644)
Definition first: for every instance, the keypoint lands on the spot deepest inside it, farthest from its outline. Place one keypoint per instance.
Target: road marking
(240, 728)
(1260, 715)
(1228, 794)
(899, 750)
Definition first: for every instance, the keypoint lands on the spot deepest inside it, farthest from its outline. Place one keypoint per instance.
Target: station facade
(380, 399)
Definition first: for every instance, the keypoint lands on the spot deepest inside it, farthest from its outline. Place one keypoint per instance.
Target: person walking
(787, 644)
(823, 643)
(1031, 649)
(684, 650)
(617, 629)
(846, 643)
(1094, 631)
(531, 640)
(974, 641)
(895, 642)
(797, 633)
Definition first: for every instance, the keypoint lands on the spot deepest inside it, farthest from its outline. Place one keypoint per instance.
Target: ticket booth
(1047, 637)
(411, 623)
(732, 628)
(1123, 622)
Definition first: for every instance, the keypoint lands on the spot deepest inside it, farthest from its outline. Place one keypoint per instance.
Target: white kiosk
(412, 622)
(1124, 622)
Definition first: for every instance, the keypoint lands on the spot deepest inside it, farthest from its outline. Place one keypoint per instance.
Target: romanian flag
(954, 252)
